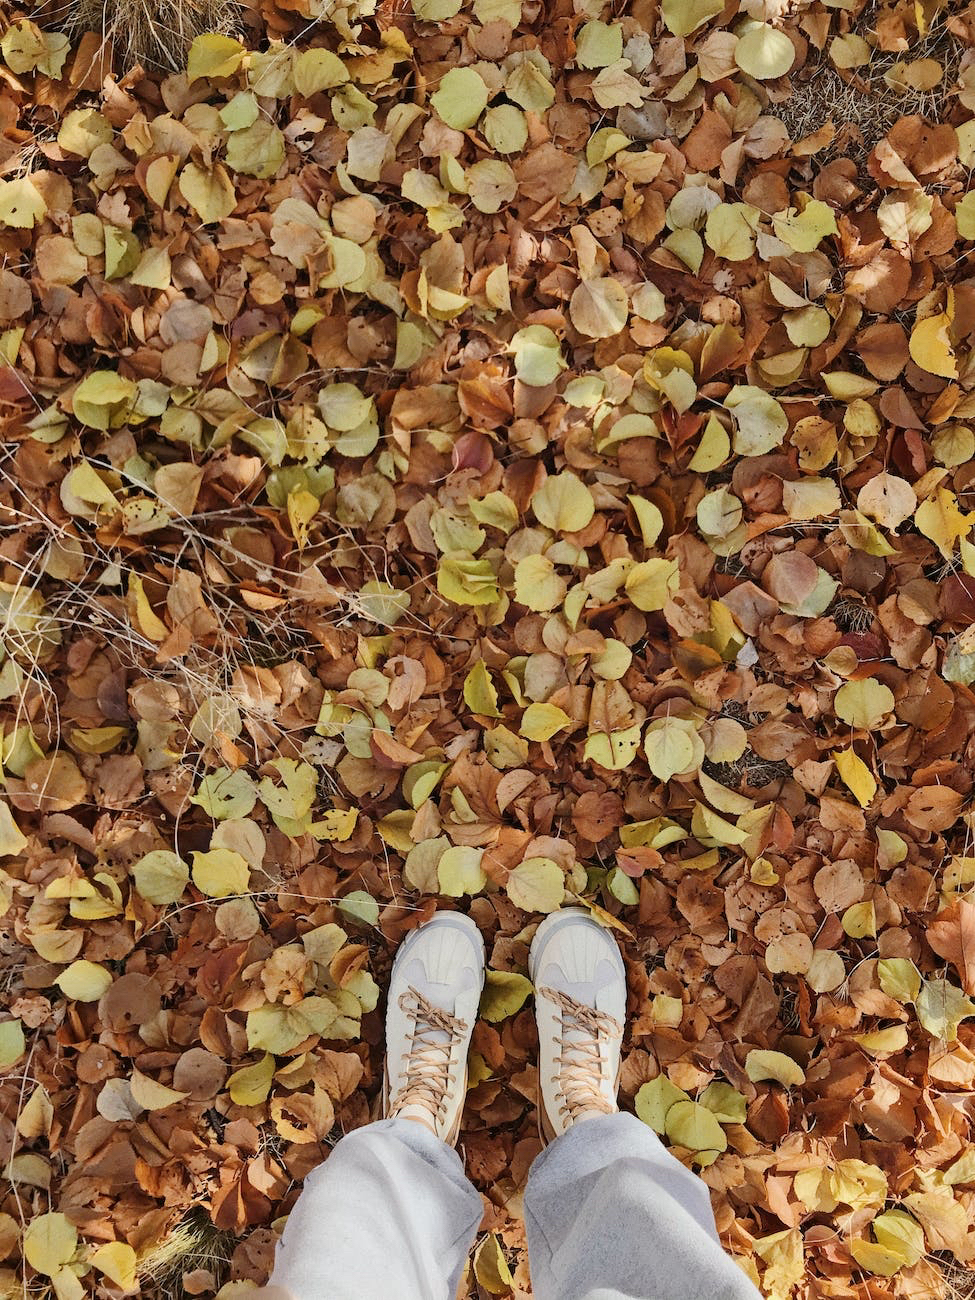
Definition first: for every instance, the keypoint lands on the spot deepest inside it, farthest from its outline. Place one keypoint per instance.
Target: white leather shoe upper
(434, 992)
(580, 1006)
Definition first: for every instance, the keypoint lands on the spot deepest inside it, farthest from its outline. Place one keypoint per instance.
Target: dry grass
(154, 33)
(860, 103)
(959, 1278)
(193, 1244)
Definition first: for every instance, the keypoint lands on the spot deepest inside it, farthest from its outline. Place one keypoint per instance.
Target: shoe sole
(555, 921)
(458, 921)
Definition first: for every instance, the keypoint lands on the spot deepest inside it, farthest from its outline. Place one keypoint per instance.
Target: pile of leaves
(495, 455)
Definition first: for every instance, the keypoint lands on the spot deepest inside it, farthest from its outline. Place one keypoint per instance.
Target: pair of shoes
(435, 988)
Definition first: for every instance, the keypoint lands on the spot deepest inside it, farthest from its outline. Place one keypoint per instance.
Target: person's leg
(390, 1212)
(610, 1214)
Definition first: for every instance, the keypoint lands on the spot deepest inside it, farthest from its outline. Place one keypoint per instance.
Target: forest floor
(486, 455)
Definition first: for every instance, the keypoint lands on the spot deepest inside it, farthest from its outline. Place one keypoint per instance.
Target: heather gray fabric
(390, 1215)
(610, 1215)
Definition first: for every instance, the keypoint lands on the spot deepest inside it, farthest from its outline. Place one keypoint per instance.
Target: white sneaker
(580, 1006)
(434, 991)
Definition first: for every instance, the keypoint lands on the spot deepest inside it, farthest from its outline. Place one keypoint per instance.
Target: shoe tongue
(417, 1112)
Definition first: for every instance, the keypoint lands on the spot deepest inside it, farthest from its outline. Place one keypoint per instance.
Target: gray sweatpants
(610, 1215)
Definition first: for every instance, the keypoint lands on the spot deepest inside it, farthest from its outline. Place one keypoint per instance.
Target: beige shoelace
(427, 1071)
(579, 1078)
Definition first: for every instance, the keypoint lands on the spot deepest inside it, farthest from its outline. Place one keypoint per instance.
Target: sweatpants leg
(610, 1214)
(390, 1213)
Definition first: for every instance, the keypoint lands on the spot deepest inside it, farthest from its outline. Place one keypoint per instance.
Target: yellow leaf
(250, 1085)
(613, 750)
(504, 748)
(649, 518)
(856, 775)
(900, 1233)
(542, 721)
(803, 231)
(497, 288)
(395, 829)
(536, 885)
(336, 825)
(712, 830)
(941, 1007)
(12, 1044)
(152, 1095)
(302, 509)
(613, 662)
(316, 70)
(50, 1240)
(811, 498)
(863, 704)
(692, 1125)
(762, 872)
(563, 503)
(783, 1069)
(719, 796)
(876, 1259)
(26, 49)
(214, 55)
(730, 231)
(459, 871)
(21, 205)
(219, 873)
(599, 44)
(208, 191)
(491, 1268)
(12, 839)
(899, 978)
(713, 449)
(883, 1041)
(117, 1260)
(480, 694)
(807, 327)
(860, 920)
(538, 355)
(103, 400)
(669, 747)
(161, 876)
(460, 98)
(465, 580)
(599, 307)
(782, 1254)
(84, 981)
(651, 583)
(930, 346)
(760, 421)
(258, 150)
(537, 584)
(849, 51)
(764, 52)
(655, 1100)
(97, 740)
(36, 1115)
(150, 625)
(940, 518)
(685, 16)
(504, 994)
(280, 1029)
